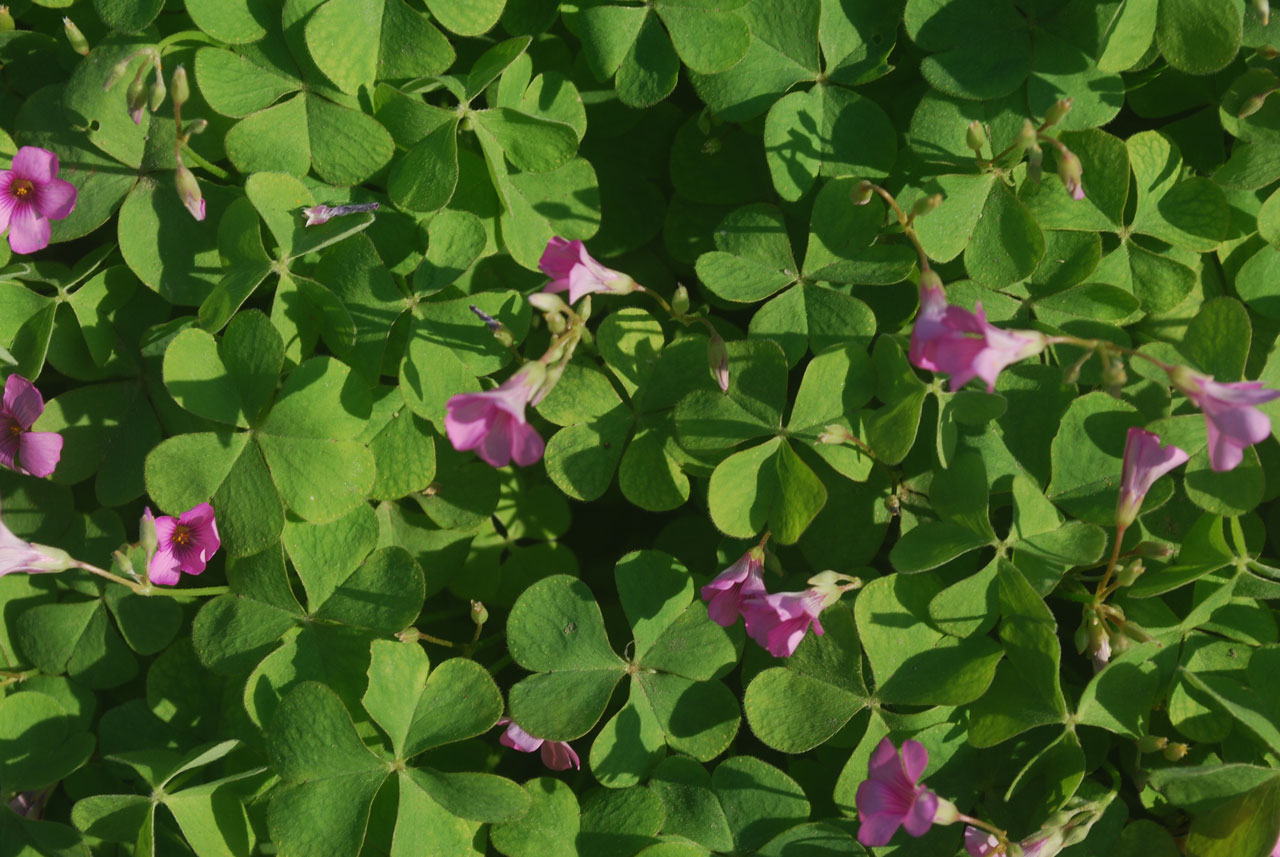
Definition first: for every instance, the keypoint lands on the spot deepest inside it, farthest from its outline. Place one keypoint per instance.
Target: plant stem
(1102, 591)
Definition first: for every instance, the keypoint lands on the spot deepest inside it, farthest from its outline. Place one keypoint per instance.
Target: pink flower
(725, 594)
(30, 194)
(556, 755)
(779, 621)
(986, 349)
(189, 192)
(34, 453)
(571, 268)
(493, 422)
(930, 327)
(1230, 416)
(979, 843)
(184, 543)
(1145, 461)
(890, 797)
(962, 344)
(18, 556)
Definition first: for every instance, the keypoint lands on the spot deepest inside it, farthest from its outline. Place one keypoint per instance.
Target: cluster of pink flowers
(556, 755)
(31, 194)
(777, 621)
(964, 344)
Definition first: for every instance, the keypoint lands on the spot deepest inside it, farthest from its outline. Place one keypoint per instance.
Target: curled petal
(36, 165)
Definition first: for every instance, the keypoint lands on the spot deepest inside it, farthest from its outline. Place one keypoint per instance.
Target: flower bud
(1253, 104)
(1129, 573)
(6, 20)
(479, 614)
(834, 435)
(712, 146)
(1174, 752)
(196, 127)
(862, 192)
(135, 97)
(1120, 643)
(946, 812)
(546, 302)
(1155, 550)
(976, 137)
(718, 357)
(556, 323)
(929, 280)
(680, 300)
(189, 191)
(1071, 173)
(1263, 8)
(147, 537)
(926, 204)
(1152, 743)
(1027, 135)
(79, 43)
(1035, 161)
(1055, 114)
(156, 96)
(118, 71)
(584, 308)
(181, 89)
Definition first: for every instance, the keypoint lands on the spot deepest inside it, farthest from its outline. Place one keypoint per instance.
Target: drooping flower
(556, 755)
(184, 543)
(34, 453)
(951, 340)
(30, 195)
(891, 796)
(981, 349)
(493, 422)
(1145, 461)
(980, 843)
(571, 268)
(725, 594)
(318, 214)
(30, 804)
(18, 556)
(189, 192)
(1230, 414)
(779, 621)
(718, 358)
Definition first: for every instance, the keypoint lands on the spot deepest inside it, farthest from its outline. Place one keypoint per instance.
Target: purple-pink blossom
(556, 755)
(1231, 416)
(185, 543)
(891, 796)
(35, 453)
(725, 594)
(571, 268)
(1145, 461)
(493, 422)
(980, 843)
(779, 621)
(951, 340)
(18, 556)
(30, 195)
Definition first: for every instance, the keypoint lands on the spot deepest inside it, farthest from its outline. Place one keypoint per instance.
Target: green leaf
(1007, 244)
(1217, 339)
(232, 21)
(41, 743)
(529, 142)
(467, 18)
(1087, 455)
(961, 35)
(1198, 36)
(1247, 824)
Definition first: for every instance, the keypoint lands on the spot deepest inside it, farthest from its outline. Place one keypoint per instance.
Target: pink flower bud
(189, 191)
(1145, 461)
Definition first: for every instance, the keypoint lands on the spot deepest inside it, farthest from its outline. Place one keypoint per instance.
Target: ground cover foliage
(801, 217)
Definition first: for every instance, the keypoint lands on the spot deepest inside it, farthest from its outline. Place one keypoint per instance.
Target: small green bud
(156, 97)
(1155, 550)
(976, 137)
(1253, 104)
(862, 192)
(548, 302)
(178, 84)
(1175, 752)
(1130, 572)
(1035, 163)
(189, 192)
(118, 71)
(479, 614)
(147, 537)
(584, 308)
(1060, 109)
(135, 97)
(1263, 8)
(1027, 136)
(926, 204)
(712, 146)
(929, 280)
(196, 127)
(1071, 173)
(680, 301)
(1152, 743)
(79, 43)
(6, 20)
(556, 323)
(1114, 376)
(834, 435)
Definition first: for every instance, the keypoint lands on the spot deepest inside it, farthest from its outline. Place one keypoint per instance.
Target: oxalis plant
(899, 376)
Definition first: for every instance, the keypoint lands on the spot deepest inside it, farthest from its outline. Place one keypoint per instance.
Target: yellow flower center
(181, 535)
(22, 189)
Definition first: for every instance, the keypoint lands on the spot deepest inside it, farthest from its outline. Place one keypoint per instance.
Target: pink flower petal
(496, 447)
(36, 165)
(22, 400)
(163, 568)
(39, 452)
(915, 758)
(559, 756)
(7, 201)
(920, 818)
(518, 739)
(527, 445)
(56, 199)
(8, 448)
(978, 842)
(559, 258)
(29, 231)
